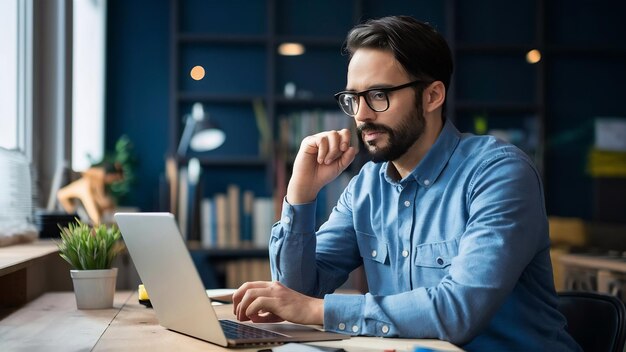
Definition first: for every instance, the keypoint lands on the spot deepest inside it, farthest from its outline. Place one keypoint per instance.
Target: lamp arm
(185, 139)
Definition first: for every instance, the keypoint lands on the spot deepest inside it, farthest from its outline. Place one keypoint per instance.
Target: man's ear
(434, 96)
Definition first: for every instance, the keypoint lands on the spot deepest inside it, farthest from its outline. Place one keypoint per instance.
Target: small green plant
(121, 162)
(89, 248)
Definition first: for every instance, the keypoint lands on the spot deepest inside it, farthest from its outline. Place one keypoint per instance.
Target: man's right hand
(321, 158)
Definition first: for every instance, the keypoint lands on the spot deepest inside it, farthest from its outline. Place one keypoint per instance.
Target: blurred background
(129, 85)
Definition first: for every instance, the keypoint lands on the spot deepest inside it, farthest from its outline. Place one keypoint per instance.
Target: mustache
(372, 127)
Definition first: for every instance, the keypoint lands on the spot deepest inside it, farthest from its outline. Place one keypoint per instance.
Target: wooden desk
(52, 323)
(28, 270)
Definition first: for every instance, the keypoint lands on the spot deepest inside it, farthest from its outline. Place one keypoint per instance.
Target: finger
(238, 294)
(251, 295)
(241, 291)
(322, 148)
(346, 135)
(334, 151)
(237, 297)
(261, 307)
(347, 158)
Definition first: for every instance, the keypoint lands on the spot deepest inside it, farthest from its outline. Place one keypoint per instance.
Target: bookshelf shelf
(493, 49)
(240, 161)
(321, 102)
(605, 52)
(473, 106)
(200, 38)
(313, 41)
(217, 98)
(228, 253)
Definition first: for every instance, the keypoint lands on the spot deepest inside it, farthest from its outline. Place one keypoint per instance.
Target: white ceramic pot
(94, 289)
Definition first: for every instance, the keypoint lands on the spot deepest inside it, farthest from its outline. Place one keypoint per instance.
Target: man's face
(389, 134)
(397, 140)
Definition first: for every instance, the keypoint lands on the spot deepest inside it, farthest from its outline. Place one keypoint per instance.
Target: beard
(399, 140)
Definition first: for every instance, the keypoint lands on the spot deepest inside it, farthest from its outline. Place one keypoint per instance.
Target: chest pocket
(432, 261)
(437, 254)
(372, 248)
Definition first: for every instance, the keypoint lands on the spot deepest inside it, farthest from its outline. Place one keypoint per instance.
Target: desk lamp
(200, 133)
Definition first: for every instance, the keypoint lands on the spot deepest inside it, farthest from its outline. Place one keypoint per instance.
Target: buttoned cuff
(343, 313)
(298, 218)
(356, 315)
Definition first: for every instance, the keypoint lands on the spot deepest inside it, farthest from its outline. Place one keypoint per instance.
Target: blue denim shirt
(458, 250)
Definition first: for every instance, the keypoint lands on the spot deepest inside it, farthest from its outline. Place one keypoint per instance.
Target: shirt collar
(429, 169)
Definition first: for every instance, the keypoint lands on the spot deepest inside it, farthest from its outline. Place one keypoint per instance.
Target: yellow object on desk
(142, 294)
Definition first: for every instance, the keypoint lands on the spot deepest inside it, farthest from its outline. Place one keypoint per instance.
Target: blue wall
(579, 88)
(138, 88)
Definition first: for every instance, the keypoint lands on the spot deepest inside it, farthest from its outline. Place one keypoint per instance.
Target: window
(16, 75)
(8, 73)
(88, 60)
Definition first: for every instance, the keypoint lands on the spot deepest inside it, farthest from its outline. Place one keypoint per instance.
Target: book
(262, 219)
(221, 210)
(232, 193)
(246, 217)
(208, 236)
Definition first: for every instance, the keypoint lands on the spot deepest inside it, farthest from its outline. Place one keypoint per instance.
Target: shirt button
(439, 260)
(385, 329)
(342, 326)
(426, 182)
(286, 220)
(407, 203)
(374, 253)
(355, 328)
(405, 253)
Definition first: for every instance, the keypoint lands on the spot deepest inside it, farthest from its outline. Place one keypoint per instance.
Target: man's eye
(377, 95)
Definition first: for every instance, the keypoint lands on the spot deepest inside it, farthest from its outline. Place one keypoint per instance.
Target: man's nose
(365, 113)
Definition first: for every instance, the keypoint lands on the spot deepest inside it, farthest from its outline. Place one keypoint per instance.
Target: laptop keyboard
(234, 330)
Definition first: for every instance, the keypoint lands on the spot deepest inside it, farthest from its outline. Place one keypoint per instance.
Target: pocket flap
(372, 248)
(436, 254)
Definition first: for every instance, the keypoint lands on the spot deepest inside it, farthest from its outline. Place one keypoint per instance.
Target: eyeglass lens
(377, 100)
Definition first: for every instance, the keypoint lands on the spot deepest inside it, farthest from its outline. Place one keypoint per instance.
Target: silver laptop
(178, 295)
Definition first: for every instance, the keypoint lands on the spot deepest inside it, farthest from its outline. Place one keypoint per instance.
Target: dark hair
(417, 46)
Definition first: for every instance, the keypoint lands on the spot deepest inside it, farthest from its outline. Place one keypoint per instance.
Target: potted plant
(90, 251)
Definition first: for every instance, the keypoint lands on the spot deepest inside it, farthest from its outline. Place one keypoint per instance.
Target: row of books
(245, 270)
(236, 219)
(298, 125)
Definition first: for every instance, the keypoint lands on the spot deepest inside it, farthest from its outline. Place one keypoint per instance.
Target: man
(451, 228)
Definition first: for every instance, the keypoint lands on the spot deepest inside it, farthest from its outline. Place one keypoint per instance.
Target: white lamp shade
(206, 140)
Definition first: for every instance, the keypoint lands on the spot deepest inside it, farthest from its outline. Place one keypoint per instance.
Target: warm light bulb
(197, 73)
(291, 49)
(533, 56)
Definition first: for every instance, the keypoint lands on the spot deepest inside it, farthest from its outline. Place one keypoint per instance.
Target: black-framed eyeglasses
(376, 98)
